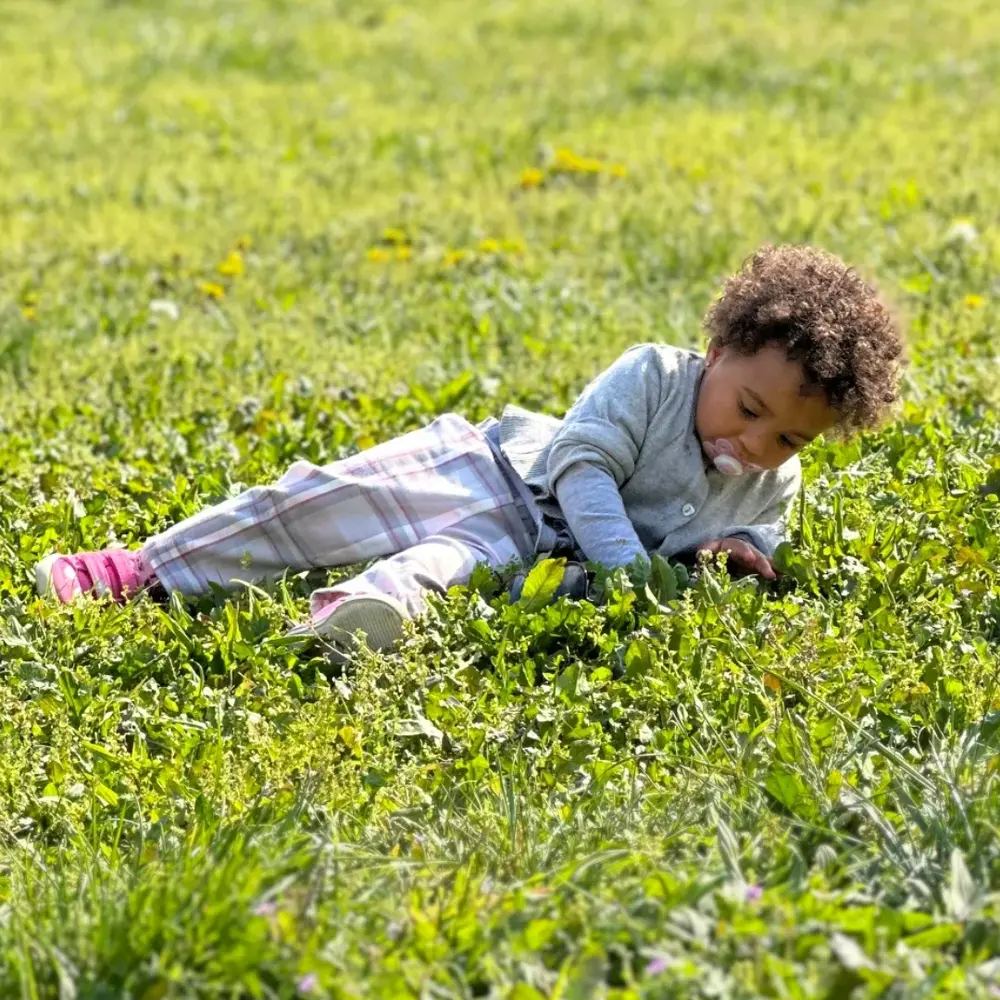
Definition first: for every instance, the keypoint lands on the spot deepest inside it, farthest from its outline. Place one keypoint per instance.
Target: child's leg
(376, 503)
(376, 601)
(497, 538)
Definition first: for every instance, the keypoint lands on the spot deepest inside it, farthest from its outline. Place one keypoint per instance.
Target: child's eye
(787, 441)
(748, 413)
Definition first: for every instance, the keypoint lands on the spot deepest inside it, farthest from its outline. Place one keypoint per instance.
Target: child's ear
(713, 354)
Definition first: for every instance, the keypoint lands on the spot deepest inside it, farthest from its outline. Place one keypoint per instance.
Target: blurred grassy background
(140, 142)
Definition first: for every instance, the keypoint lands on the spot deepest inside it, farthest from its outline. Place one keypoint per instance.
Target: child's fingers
(766, 568)
(760, 564)
(742, 554)
(752, 559)
(739, 551)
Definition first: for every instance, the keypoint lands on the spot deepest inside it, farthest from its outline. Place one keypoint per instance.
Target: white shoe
(378, 616)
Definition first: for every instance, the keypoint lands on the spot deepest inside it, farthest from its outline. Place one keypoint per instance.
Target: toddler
(666, 451)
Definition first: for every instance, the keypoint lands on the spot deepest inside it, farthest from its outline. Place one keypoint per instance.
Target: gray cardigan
(626, 471)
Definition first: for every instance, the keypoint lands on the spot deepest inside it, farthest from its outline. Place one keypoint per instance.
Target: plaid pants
(430, 505)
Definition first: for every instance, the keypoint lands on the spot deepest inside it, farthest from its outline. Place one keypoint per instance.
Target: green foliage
(542, 583)
(237, 234)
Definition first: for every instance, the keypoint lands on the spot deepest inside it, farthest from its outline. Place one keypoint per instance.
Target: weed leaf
(542, 583)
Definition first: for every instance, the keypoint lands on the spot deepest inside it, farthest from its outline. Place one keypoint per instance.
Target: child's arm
(595, 451)
(595, 513)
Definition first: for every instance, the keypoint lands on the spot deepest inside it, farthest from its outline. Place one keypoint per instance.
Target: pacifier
(723, 456)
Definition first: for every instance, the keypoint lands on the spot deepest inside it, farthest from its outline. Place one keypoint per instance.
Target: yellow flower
(403, 253)
(211, 289)
(379, 256)
(566, 159)
(392, 235)
(455, 257)
(974, 301)
(489, 246)
(532, 177)
(28, 312)
(618, 170)
(513, 246)
(232, 266)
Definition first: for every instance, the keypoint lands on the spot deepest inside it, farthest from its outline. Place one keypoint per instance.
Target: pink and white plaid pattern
(432, 504)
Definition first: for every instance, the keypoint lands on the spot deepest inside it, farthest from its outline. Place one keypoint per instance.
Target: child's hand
(742, 555)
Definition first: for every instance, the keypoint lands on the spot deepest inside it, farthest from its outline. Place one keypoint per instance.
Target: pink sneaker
(117, 573)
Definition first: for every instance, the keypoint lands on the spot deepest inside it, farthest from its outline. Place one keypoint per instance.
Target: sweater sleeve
(607, 425)
(595, 512)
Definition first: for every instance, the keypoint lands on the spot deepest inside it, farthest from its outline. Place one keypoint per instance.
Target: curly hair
(826, 317)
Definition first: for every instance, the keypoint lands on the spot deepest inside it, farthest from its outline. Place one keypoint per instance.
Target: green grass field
(233, 234)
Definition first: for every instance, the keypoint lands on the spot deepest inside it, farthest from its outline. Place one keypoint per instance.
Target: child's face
(759, 404)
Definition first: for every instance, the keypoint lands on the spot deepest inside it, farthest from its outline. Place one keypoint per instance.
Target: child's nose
(754, 442)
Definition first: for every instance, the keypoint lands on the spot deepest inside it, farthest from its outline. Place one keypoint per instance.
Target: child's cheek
(704, 411)
(715, 415)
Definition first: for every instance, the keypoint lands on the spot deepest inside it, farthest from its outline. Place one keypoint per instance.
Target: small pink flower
(656, 966)
(266, 909)
(307, 985)
(753, 893)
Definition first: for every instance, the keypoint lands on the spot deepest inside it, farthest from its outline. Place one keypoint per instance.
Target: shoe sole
(380, 621)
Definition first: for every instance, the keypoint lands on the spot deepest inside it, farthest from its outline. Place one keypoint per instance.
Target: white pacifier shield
(728, 465)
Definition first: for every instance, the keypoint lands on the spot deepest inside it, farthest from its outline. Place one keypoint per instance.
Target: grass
(235, 234)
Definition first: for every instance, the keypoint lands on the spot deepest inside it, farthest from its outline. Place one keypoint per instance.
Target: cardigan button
(688, 509)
